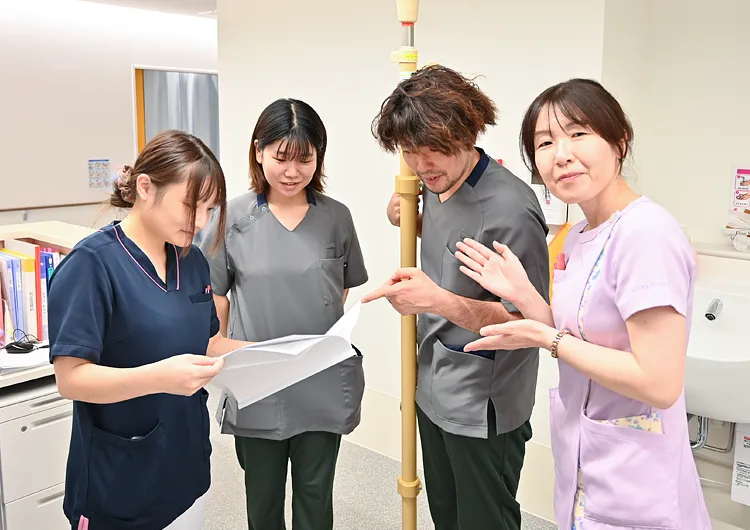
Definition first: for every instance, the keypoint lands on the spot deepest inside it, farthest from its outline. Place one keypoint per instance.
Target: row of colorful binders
(25, 271)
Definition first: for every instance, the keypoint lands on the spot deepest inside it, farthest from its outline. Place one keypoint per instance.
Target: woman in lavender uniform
(618, 325)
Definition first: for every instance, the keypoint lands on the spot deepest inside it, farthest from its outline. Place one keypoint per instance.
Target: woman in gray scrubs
(289, 256)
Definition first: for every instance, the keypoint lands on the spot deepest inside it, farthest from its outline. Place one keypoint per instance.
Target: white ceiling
(183, 7)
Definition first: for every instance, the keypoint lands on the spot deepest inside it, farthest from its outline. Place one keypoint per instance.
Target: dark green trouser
(313, 456)
(471, 483)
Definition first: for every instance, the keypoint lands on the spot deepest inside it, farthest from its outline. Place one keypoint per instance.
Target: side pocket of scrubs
(353, 388)
(263, 415)
(123, 472)
(556, 457)
(628, 478)
(327, 401)
(460, 385)
(555, 442)
(206, 431)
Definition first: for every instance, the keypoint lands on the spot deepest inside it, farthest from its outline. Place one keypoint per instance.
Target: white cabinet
(35, 427)
(42, 510)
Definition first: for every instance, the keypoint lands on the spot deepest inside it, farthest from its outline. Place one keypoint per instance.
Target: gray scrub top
(455, 387)
(286, 282)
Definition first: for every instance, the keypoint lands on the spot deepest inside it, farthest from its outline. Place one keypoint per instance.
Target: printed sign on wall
(99, 174)
(741, 188)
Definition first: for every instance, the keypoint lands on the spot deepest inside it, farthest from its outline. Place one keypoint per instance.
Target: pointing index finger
(377, 293)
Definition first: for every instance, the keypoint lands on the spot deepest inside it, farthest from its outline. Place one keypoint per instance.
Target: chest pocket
(451, 277)
(201, 297)
(199, 316)
(331, 277)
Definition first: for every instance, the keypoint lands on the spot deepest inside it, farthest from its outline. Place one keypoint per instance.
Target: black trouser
(313, 456)
(471, 483)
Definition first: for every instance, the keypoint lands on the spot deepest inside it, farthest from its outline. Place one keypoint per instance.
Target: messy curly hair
(437, 108)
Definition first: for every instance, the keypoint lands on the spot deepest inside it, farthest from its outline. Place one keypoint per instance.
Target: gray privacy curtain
(185, 101)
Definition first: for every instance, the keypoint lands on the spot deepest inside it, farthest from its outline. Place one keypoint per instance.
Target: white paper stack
(257, 371)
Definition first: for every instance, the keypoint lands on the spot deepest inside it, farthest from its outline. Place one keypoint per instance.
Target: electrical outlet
(25, 215)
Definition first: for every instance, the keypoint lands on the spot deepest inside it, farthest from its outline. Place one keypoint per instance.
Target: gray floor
(365, 496)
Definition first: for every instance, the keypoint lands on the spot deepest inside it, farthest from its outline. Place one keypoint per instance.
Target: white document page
(259, 370)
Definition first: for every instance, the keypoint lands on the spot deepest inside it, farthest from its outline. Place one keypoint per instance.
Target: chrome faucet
(714, 308)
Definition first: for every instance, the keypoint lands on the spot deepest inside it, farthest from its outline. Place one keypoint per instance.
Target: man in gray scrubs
(473, 408)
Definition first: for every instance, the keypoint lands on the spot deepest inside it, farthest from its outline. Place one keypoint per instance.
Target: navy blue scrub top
(140, 463)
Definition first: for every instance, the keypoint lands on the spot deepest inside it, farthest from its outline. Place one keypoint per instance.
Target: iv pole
(407, 186)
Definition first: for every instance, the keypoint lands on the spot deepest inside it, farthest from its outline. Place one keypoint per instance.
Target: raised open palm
(498, 271)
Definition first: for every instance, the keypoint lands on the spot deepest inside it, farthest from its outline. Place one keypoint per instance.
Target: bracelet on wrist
(556, 342)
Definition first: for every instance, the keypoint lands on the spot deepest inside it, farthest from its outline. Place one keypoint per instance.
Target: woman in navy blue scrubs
(133, 336)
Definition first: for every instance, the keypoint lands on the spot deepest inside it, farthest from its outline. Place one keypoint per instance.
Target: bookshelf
(57, 236)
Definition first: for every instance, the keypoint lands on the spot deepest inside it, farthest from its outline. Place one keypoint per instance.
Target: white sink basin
(717, 370)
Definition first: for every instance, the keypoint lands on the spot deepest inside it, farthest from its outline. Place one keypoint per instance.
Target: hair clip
(119, 174)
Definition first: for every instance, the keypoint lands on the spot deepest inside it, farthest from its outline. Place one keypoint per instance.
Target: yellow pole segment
(407, 186)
